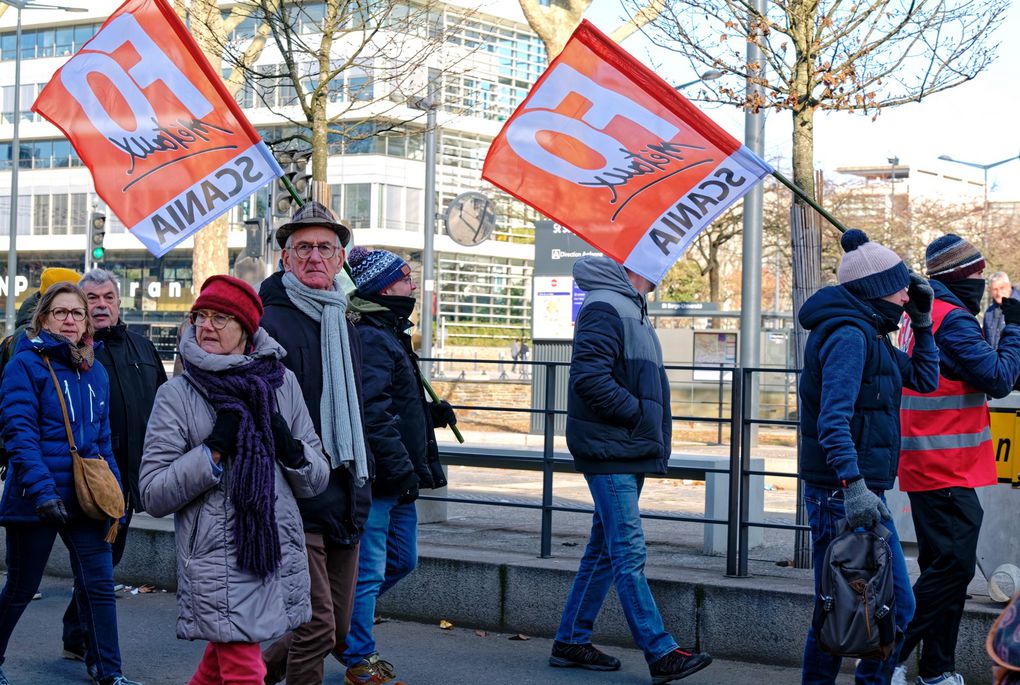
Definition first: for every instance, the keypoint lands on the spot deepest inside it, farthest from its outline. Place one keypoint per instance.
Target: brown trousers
(298, 656)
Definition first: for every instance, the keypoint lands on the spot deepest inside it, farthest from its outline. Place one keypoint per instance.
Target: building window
(357, 199)
(41, 215)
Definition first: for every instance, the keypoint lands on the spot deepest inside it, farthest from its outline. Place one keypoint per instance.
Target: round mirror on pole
(470, 218)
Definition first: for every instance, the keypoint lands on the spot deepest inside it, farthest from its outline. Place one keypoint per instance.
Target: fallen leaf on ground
(519, 636)
(379, 619)
(481, 633)
(445, 625)
(145, 589)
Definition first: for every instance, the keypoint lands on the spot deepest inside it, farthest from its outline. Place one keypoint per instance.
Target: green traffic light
(98, 253)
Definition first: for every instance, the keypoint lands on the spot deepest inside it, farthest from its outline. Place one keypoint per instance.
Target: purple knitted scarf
(250, 390)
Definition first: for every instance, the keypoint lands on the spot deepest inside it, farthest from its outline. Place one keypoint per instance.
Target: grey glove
(864, 508)
(921, 296)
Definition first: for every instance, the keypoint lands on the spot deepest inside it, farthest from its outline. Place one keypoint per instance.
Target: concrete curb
(757, 619)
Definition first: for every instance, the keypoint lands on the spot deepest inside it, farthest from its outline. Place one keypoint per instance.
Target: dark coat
(33, 426)
(618, 411)
(850, 390)
(340, 512)
(135, 371)
(994, 322)
(399, 423)
(965, 355)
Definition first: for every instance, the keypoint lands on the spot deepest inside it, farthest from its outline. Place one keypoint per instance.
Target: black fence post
(746, 424)
(718, 428)
(733, 518)
(548, 448)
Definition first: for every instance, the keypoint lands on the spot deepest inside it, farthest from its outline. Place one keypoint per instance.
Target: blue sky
(978, 121)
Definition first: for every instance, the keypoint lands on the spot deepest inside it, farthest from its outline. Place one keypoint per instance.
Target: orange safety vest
(946, 435)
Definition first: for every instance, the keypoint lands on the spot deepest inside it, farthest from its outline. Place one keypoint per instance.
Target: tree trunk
(804, 147)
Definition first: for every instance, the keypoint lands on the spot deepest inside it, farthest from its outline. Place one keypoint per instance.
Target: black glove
(408, 496)
(442, 414)
(1010, 310)
(921, 296)
(289, 450)
(53, 512)
(223, 438)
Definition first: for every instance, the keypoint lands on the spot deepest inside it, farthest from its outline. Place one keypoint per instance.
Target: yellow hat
(54, 275)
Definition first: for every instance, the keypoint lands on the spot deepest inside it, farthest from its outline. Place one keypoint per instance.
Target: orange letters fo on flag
(605, 147)
(168, 147)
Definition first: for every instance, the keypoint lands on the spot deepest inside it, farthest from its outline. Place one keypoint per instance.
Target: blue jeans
(28, 548)
(615, 555)
(826, 513)
(389, 551)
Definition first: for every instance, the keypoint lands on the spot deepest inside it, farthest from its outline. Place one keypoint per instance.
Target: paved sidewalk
(423, 654)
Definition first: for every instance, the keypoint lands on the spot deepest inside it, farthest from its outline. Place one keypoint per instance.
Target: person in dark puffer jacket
(947, 451)
(400, 426)
(850, 399)
(618, 430)
(39, 498)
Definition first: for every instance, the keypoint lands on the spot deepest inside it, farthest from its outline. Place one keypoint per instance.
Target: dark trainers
(678, 664)
(566, 655)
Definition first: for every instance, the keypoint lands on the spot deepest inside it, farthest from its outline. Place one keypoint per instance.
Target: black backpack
(854, 611)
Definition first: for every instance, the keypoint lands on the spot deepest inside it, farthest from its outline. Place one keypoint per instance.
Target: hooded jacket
(850, 390)
(136, 372)
(33, 426)
(339, 513)
(217, 600)
(618, 411)
(398, 422)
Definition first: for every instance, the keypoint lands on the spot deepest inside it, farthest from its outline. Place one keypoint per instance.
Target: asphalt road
(422, 654)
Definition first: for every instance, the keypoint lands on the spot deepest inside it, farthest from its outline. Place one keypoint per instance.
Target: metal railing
(741, 421)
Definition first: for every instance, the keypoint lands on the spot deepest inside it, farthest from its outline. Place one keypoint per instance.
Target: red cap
(229, 295)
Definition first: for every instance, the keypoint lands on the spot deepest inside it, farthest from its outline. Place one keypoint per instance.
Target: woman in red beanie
(249, 450)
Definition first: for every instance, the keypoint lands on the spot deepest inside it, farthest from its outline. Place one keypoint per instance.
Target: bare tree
(829, 54)
(554, 21)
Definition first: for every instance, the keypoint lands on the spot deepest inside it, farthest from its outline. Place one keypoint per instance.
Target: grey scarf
(342, 435)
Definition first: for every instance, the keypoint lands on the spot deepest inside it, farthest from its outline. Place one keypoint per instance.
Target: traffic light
(97, 234)
(255, 237)
(295, 170)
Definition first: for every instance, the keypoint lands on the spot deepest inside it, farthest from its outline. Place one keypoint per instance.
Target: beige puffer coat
(217, 600)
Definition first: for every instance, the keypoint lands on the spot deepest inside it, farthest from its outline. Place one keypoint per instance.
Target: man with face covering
(946, 451)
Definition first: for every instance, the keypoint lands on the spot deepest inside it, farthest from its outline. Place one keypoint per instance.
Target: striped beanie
(374, 270)
(869, 270)
(951, 258)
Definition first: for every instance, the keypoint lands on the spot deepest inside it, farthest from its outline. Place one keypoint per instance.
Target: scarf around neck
(250, 391)
(342, 434)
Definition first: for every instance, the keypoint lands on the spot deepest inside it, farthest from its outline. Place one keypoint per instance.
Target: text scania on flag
(605, 147)
(168, 147)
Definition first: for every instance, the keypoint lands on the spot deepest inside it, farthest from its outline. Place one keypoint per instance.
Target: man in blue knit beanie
(849, 402)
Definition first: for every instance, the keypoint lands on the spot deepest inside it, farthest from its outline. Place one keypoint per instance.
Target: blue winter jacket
(618, 412)
(33, 426)
(850, 390)
(967, 356)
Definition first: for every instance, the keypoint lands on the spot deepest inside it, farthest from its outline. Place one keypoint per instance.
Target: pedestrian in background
(999, 287)
(305, 309)
(39, 497)
(400, 426)
(515, 354)
(135, 372)
(229, 447)
(619, 428)
(850, 422)
(947, 452)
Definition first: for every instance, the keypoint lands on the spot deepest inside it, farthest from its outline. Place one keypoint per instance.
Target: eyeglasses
(60, 314)
(326, 250)
(218, 321)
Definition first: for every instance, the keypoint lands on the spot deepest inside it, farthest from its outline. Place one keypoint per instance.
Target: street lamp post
(984, 203)
(893, 162)
(710, 75)
(12, 236)
(428, 279)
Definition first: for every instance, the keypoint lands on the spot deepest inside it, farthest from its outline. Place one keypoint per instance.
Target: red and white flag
(168, 147)
(605, 147)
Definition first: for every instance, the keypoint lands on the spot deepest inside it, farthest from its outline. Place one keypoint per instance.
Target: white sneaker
(899, 676)
(944, 679)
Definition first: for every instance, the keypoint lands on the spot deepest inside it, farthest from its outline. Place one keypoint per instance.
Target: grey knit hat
(870, 270)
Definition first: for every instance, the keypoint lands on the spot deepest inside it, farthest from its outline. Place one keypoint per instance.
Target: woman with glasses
(228, 449)
(39, 499)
